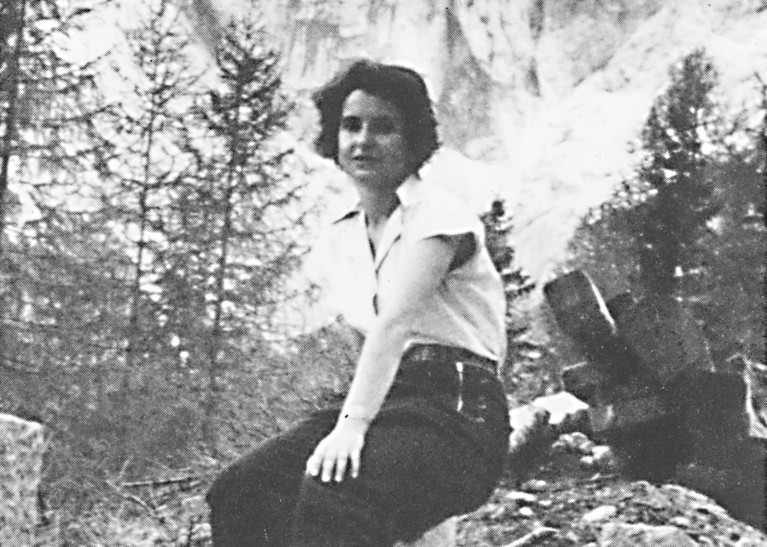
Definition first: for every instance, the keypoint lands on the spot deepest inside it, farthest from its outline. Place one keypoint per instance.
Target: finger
(313, 465)
(355, 458)
(328, 463)
(341, 464)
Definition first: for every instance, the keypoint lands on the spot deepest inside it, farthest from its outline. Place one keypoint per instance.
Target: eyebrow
(376, 118)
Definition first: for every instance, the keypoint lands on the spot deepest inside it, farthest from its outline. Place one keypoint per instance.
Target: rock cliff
(548, 95)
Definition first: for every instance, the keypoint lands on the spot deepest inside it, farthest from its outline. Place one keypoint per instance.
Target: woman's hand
(342, 447)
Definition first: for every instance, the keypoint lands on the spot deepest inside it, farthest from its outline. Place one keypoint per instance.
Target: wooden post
(21, 459)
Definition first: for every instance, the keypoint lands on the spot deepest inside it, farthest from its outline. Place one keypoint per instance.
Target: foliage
(669, 226)
(516, 284)
(47, 103)
(687, 226)
(138, 292)
(248, 238)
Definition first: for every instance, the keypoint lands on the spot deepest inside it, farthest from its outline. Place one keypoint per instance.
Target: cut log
(618, 305)
(584, 380)
(666, 338)
(579, 308)
(21, 459)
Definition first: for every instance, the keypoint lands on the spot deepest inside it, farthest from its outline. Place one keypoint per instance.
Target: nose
(365, 135)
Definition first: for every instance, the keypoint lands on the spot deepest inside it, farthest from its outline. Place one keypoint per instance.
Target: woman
(423, 430)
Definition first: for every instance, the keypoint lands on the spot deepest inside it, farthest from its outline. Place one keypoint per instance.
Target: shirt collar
(405, 194)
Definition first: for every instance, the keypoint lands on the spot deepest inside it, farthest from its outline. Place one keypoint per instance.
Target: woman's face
(371, 142)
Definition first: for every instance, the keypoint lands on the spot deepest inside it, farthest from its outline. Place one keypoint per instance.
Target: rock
(582, 444)
(604, 458)
(521, 498)
(535, 485)
(489, 511)
(442, 535)
(739, 488)
(574, 443)
(526, 512)
(600, 514)
(21, 460)
(588, 463)
(534, 537)
(602, 452)
(679, 495)
(565, 410)
(681, 522)
(642, 535)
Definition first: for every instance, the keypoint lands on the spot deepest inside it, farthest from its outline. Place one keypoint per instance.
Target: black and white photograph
(383, 273)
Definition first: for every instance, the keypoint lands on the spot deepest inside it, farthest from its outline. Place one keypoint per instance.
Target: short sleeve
(440, 213)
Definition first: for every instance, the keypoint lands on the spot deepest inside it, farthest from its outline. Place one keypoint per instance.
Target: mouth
(364, 162)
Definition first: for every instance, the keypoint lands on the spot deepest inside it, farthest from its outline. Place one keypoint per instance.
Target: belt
(449, 354)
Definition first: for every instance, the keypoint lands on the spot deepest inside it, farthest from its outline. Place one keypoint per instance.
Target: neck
(378, 206)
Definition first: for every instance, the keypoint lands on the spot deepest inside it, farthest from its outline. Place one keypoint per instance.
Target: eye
(351, 124)
(383, 126)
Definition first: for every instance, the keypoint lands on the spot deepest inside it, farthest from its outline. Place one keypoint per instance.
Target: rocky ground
(573, 498)
(565, 505)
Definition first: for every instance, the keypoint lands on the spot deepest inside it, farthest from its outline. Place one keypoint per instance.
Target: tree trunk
(10, 115)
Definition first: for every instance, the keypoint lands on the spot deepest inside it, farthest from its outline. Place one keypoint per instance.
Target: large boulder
(618, 534)
(21, 458)
(442, 535)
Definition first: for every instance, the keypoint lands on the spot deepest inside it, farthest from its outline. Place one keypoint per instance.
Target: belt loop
(459, 370)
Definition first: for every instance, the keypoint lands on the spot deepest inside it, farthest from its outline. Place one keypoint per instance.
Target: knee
(234, 483)
(222, 487)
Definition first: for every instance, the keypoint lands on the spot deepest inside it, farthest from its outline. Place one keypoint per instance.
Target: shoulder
(430, 209)
(426, 194)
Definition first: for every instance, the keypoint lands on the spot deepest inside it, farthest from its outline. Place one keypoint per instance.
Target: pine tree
(47, 102)
(669, 225)
(47, 139)
(246, 240)
(516, 282)
(141, 173)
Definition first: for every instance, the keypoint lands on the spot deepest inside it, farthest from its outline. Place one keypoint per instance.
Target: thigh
(414, 475)
(423, 474)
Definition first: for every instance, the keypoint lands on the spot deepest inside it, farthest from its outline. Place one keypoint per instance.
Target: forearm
(376, 369)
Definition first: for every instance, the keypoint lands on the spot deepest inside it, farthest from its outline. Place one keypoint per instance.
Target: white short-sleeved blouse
(468, 308)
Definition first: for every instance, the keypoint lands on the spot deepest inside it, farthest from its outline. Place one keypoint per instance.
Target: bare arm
(428, 262)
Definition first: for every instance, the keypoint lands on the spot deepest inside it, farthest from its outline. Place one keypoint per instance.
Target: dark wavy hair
(401, 86)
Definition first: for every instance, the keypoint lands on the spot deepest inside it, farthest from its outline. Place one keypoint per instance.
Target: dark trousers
(436, 449)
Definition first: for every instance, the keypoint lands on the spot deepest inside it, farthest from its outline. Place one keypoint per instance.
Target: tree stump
(442, 535)
(21, 459)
